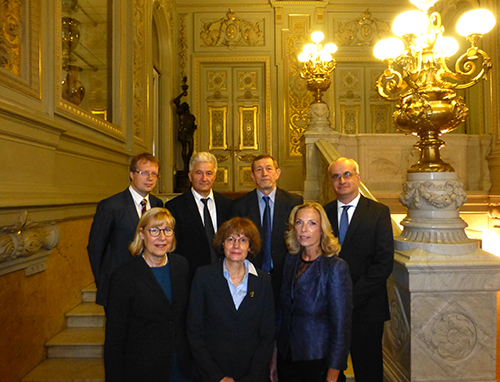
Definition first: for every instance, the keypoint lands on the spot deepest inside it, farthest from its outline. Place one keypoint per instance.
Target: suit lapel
(254, 211)
(192, 208)
(130, 209)
(357, 217)
(280, 216)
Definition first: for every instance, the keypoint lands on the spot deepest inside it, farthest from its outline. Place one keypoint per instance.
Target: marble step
(87, 314)
(67, 369)
(77, 343)
(89, 293)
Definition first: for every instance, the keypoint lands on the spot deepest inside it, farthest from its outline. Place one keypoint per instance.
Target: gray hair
(202, 156)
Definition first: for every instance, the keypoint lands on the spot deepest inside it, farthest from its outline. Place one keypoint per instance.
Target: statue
(187, 126)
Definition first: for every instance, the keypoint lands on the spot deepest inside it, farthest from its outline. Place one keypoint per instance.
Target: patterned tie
(209, 229)
(267, 261)
(144, 203)
(344, 224)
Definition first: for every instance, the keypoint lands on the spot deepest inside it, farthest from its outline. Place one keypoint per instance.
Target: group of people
(261, 288)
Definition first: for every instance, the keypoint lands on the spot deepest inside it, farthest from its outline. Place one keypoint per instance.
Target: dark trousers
(301, 371)
(366, 352)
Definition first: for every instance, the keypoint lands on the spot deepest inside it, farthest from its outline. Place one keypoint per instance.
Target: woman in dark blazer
(231, 319)
(314, 311)
(147, 303)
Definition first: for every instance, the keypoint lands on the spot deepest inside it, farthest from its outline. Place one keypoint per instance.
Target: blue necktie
(267, 261)
(344, 224)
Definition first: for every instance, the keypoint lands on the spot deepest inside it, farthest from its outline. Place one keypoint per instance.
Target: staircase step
(87, 314)
(77, 343)
(89, 293)
(67, 369)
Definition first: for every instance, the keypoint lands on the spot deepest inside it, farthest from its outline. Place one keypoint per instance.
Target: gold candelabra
(418, 77)
(318, 65)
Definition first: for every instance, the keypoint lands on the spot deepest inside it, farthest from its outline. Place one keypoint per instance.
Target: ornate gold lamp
(318, 65)
(419, 79)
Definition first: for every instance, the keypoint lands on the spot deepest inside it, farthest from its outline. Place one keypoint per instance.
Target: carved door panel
(233, 111)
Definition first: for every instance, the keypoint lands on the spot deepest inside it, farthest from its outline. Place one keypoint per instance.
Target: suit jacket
(314, 313)
(226, 341)
(111, 233)
(248, 206)
(369, 250)
(190, 235)
(143, 327)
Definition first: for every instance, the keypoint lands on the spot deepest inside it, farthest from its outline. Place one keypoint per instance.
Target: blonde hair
(154, 217)
(329, 243)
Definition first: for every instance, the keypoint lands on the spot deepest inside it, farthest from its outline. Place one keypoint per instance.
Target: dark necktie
(209, 229)
(344, 224)
(144, 203)
(267, 261)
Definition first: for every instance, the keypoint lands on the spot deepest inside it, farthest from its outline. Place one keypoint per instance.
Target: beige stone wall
(32, 308)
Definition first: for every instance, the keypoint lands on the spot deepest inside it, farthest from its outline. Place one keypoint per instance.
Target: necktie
(344, 224)
(209, 229)
(267, 261)
(144, 203)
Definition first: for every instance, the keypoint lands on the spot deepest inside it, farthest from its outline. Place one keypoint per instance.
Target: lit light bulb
(325, 57)
(304, 57)
(410, 22)
(446, 47)
(478, 21)
(317, 37)
(330, 48)
(389, 48)
(309, 49)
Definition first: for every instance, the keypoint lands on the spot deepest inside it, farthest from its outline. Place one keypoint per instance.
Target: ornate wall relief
(364, 31)
(299, 98)
(232, 31)
(20, 46)
(140, 72)
(26, 244)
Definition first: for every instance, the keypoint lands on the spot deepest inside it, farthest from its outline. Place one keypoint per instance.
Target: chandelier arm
(465, 67)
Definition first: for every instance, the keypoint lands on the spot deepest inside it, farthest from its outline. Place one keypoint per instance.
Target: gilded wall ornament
(365, 31)
(183, 46)
(11, 31)
(139, 76)
(231, 31)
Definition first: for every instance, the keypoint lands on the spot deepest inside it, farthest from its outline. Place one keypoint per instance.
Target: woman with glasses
(231, 310)
(314, 311)
(147, 304)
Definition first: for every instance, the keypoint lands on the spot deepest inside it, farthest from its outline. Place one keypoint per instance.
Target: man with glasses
(199, 212)
(116, 219)
(364, 229)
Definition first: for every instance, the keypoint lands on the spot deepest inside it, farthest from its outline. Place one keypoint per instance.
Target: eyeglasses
(231, 240)
(155, 231)
(346, 175)
(148, 174)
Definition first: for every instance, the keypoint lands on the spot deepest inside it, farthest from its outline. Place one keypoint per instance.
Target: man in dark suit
(265, 173)
(193, 232)
(116, 219)
(365, 234)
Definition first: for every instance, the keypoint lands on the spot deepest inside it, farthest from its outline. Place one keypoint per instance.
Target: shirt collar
(136, 196)
(249, 268)
(198, 197)
(272, 195)
(353, 202)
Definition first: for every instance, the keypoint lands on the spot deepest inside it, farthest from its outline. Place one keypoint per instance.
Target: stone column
(442, 292)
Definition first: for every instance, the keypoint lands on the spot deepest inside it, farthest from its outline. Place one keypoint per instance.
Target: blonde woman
(147, 303)
(314, 311)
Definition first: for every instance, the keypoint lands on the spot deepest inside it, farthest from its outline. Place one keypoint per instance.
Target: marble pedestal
(442, 292)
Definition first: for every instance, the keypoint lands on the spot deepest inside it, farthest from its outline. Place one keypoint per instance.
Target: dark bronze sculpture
(187, 126)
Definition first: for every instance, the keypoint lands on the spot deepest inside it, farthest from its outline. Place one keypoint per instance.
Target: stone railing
(27, 245)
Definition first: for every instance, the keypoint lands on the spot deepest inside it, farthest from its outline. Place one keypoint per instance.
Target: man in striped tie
(116, 219)
(364, 229)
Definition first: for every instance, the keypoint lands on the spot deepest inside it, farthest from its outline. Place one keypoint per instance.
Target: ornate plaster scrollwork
(365, 31)
(437, 195)
(11, 31)
(232, 31)
(26, 240)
